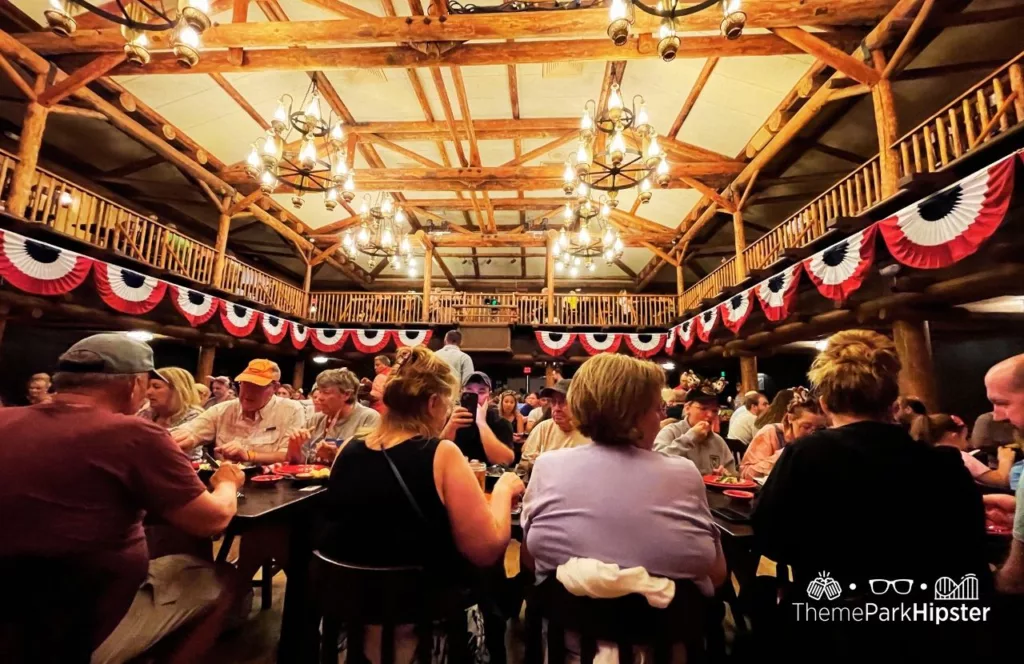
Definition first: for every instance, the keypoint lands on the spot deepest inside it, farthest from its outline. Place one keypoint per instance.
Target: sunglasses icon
(898, 586)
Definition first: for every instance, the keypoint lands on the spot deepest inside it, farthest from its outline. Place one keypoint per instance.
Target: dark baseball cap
(107, 353)
(479, 377)
(560, 387)
(700, 396)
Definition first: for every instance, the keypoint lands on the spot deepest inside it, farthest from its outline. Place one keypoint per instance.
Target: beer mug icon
(824, 585)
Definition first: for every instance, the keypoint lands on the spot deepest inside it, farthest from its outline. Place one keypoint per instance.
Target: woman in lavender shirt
(616, 500)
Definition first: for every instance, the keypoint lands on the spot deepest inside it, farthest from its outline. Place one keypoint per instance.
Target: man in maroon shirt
(75, 483)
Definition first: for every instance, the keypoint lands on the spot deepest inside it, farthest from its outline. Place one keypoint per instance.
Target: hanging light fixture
(621, 17)
(382, 234)
(186, 20)
(587, 236)
(320, 163)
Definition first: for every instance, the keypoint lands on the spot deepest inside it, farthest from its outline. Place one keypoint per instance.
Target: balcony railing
(388, 308)
(614, 310)
(987, 110)
(103, 223)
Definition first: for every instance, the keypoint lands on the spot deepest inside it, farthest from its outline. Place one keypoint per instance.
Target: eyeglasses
(898, 586)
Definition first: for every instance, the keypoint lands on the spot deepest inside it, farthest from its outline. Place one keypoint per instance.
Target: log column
(741, 244)
(306, 282)
(887, 126)
(299, 374)
(913, 345)
(205, 367)
(33, 125)
(549, 375)
(549, 275)
(748, 373)
(220, 259)
(428, 275)
(680, 286)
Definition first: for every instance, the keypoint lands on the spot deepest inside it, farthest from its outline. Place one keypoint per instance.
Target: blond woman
(173, 400)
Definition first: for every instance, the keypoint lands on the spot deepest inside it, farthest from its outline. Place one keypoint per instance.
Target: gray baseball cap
(108, 353)
(561, 387)
(479, 377)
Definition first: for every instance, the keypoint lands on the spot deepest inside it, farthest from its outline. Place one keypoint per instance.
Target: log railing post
(428, 275)
(680, 286)
(306, 283)
(205, 366)
(299, 373)
(220, 259)
(32, 128)
(549, 276)
(887, 126)
(913, 345)
(748, 373)
(740, 239)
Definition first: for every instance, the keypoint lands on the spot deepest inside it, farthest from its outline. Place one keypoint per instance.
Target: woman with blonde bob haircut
(616, 500)
(848, 500)
(403, 497)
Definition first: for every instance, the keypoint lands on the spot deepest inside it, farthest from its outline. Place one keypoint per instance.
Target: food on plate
(316, 474)
(726, 479)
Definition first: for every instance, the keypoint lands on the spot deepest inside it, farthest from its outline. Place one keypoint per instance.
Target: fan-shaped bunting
(328, 340)
(127, 291)
(951, 224)
(555, 343)
(736, 310)
(670, 340)
(706, 322)
(840, 270)
(685, 333)
(274, 328)
(412, 337)
(601, 342)
(370, 341)
(40, 268)
(300, 335)
(777, 293)
(238, 320)
(196, 307)
(646, 345)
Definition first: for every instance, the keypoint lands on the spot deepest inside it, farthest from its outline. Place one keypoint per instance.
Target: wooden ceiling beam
(691, 98)
(518, 203)
(80, 78)
(467, 118)
(471, 54)
(235, 95)
(449, 115)
(542, 150)
(341, 9)
(398, 149)
(839, 60)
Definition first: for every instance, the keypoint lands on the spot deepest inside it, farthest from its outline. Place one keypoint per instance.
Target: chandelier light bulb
(386, 206)
(307, 154)
(313, 110)
(268, 182)
(364, 209)
(136, 49)
(574, 272)
(350, 185)
(346, 240)
(272, 146)
(609, 255)
(340, 169)
(642, 119)
(396, 262)
(734, 19)
(400, 216)
(186, 45)
(189, 36)
(583, 154)
(584, 237)
(590, 266)
(617, 148)
(559, 267)
(615, 99)
(609, 238)
(586, 122)
(555, 250)
(567, 212)
(618, 25)
(280, 120)
(563, 239)
(662, 172)
(59, 18)
(569, 174)
(364, 235)
(605, 210)
(412, 272)
(669, 42)
(403, 246)
(253, 160)
(576, 261)
(583, 191)
(653, 149)
(337, 132)
(645, 190)
(618, 245)
(618, 10)
(386, 238)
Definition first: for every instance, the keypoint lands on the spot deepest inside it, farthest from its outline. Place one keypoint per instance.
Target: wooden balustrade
(987, 110)
(614, 310)
(390, 308)
(258, 286)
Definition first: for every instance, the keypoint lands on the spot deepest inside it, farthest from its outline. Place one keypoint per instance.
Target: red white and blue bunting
(196, 307)
(686, 332)
(735, 311)
(600, 342)
(370, 341)
(777, 293)
(841, 269)
(299, 335)
(950, 225)
(274, 328)
(555, 343)
(40, 268)
(706, 322)
(646, 344)
(409, 338)
(670, 340)
(328, 340)
(238, 320)
(127, 291)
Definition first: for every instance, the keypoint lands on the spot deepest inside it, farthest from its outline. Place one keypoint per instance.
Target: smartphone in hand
(469, 401)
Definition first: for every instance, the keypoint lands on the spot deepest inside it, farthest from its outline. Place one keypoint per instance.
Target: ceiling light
(140, 335)
(320, 359)
(668, 366)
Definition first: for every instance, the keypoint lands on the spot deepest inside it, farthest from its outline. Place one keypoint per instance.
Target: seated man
(742, 425)
(339, 418)
(78, 482)
(556, 433)
(254, 427)
(693, 438)
(483, 435)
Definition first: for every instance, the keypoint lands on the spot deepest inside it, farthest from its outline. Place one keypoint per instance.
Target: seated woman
(803, 417)
(941, 429)
(443, 522)
(173, 400)
(776, 411)
(508, 408)
(616, 500)
(845, 508)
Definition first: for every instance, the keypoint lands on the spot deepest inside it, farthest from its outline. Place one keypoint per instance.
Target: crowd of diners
(859, 482)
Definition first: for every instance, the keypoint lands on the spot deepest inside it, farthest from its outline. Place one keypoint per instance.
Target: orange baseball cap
(260, 372)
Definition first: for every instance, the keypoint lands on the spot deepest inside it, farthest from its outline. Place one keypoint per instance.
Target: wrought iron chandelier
(592, 238)
(621, 17)
(186, 19)
(306, 170)
(631, 156)
(381, 234)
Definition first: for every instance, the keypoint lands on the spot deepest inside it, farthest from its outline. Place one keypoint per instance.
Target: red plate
(267, 479)
(739, 495)
(295, 469)
(1001, 531)
(709, 480)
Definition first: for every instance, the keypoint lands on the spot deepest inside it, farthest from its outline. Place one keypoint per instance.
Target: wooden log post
(748, 373)
(205, 366)
(33, 125)
(428, 275)
(220, 258)
(549, 375)
(299, 373)
(680, 287)
(549, 275)
(887, 126)
(741, 244)
(306, 283)
(913, 345)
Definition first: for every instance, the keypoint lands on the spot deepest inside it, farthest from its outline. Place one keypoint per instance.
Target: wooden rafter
(542, 150)
(245, 202)
(398, 149)
(340, 8)
(835, 58)
(240, 100)
(19, 81)
(449, 115)
(691, 98)
(81, 77)
(709, 192)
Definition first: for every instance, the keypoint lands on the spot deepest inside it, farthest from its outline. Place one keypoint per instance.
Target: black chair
(738, 449)
(350, 597)
(626, 621)
(48, 612)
